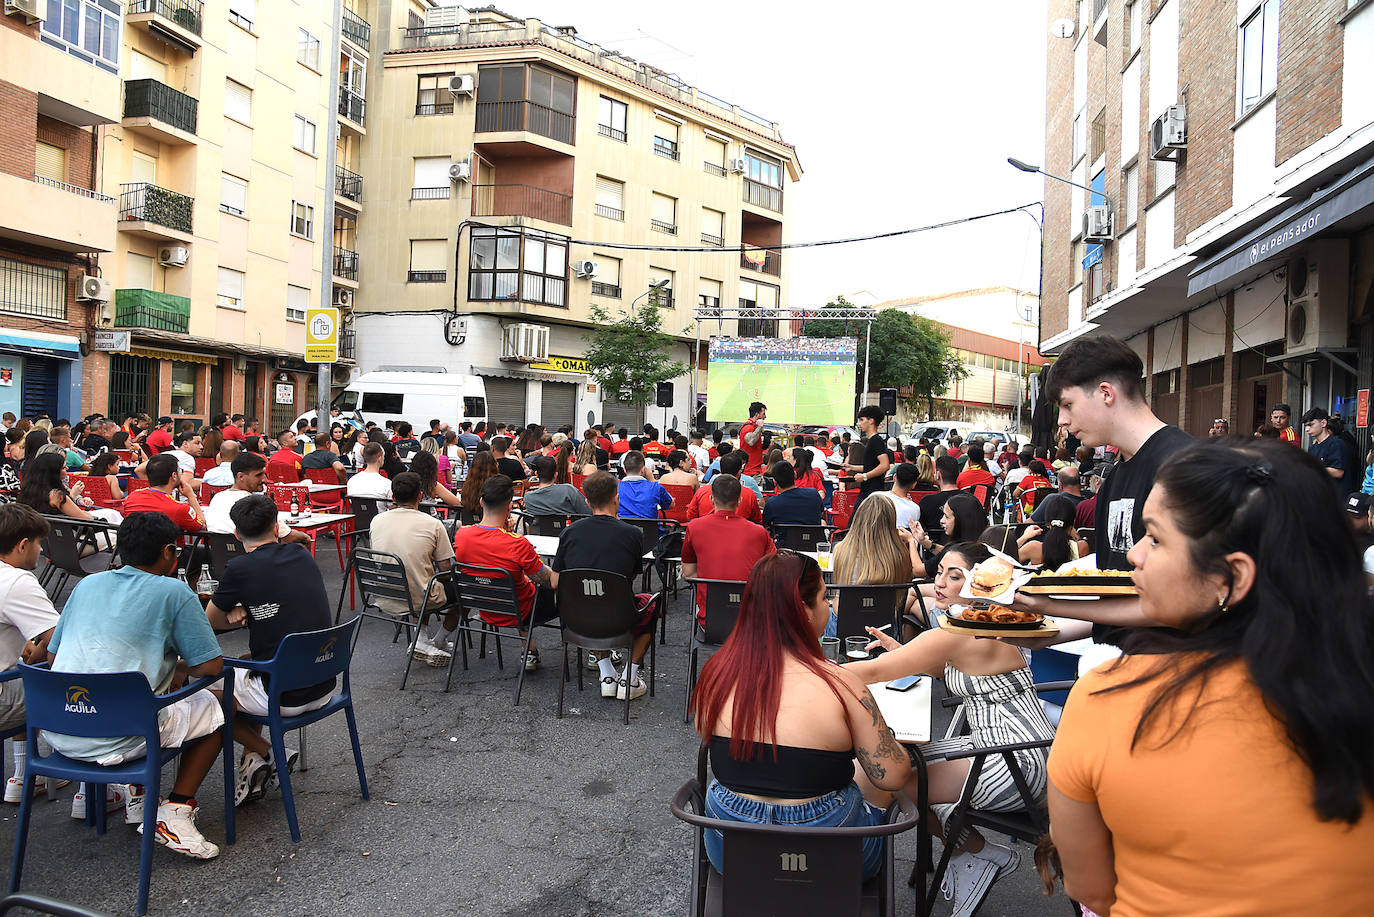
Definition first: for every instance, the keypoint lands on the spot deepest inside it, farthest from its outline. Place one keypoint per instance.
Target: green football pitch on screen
(821, 394)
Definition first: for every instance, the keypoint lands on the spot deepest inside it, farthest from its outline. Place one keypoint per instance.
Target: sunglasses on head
(807, 561)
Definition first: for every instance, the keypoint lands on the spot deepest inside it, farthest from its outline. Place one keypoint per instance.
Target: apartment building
(506, 163)
(1232, 144)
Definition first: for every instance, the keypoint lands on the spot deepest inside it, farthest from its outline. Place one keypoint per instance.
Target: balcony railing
(351, 106)
(433, 108)
(426, 276)
(153, 310)
(772, 262)
(147, 202)
(666, 148)
(709, 239)
(431, 36)
(660, 226)
(523, 115)
(714, 168)
(151, 99)
(189, 14)
(609, 212)
(356, 29)
(345, 263)
(429, 194)
(348, 345)
(1097, 136)
(609, 290)
(521, 201)
(762, 195)
(606, 130)
(348, 184)
(73, 189)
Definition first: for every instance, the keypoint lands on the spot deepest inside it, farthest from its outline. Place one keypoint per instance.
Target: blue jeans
(842, 809)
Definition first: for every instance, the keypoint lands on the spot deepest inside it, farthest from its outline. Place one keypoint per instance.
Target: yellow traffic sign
(321, 335)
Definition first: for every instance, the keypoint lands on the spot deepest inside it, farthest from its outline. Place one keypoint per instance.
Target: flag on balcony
(756, 256)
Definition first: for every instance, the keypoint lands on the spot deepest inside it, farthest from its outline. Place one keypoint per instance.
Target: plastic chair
(66, 549)
(598, 611)
(326, 499)
(303, 660)
(204, 463)
(842, 507)
(723, 597)
(98, 489)
(136, 484)
(282, 473)
(857, 607)
(125, 455)
(577, 480)
(208, 491)
(982, 493)
(490, 591)
(102, 706)
(682, 495)
(800, 537)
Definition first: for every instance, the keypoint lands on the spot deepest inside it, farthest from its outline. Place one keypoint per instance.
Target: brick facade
(1311, 60)
(79, 142)
(17, 129)
(1058, 151)
(1207, 68)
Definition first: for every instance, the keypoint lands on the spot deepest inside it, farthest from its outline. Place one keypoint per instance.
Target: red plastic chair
(682, 498)
(328, 499)
(208, 491)
(842, 507)
(577, 480)
(204, 463)
(125, 455)
(136, 484)
(98, 489)
(282, 473)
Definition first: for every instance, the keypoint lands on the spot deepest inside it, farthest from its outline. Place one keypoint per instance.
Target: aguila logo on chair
(327, 650)
(79, 700)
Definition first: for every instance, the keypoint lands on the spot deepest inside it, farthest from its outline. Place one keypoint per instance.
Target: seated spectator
(106, 465)
(875, 551)
(370, 482)
(807, 475)
(188, 449)
(164, 483)
(946, 475)
(276, 590)
(433, 446)
(603, 542)
(792, 505)
(43, 490)
(405, 441)
(141, 618)
(509, 465)
(722, 449)
(324, 458)
(159, 439)
(903, 480)
(75, 458)
(721, 544)
(1057, 543)
(784, 726)
(222, 475)
(1037, 479)
(730, 463)
(621, 444)
(997, 689)
(550, 499)
(491, 544)
(250, 477)
(640, 498)
(425, 464)
(962, 519)
(1238, 718)
(1069, 489)
(678, 473)
(287, 454)
(590, 457)
(976, 471)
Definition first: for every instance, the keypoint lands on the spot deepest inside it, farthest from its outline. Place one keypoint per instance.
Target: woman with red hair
(785, 724)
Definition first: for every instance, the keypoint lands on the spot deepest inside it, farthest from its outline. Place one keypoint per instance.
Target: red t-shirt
(604, 443)
(147, 500)
(657, 448)
(286, 457)
(1028, 485)
(748, 505)
(813, 479)
(1289, 435)
(229, 431)
(754, 452)
(971, 477)
(483, 546)
(158, 441)
(713, 452)
(619, 447)
(954, 453)
(723, 546)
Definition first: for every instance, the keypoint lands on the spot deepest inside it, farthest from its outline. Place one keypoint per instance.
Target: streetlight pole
(1027, 167)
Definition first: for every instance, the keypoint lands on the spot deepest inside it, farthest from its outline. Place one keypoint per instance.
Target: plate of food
(996, 620)
(1075, 582)
(994, 580)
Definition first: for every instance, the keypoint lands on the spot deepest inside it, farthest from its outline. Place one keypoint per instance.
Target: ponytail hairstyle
(1059, 532)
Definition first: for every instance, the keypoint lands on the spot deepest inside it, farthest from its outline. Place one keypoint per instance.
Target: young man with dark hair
(621, 444)
(466, 438)
(721, 450)
(603, 542)
(140, 618)
(730, 463)
(233, 430)
(324, 458)
(877, 460)
(550, 499)
(721, 545)
(405, 440)
(933, 505)
(903, 479)
(1280, 417)
(188, 449)
(250, 476)
(160, 439)
(434, 431)
(508, 465)
(287, 455)
(370, 482)
(164, 480)
(752, 440)
(1328, 449)
(489, 543)
(791, 505)
(276, 590)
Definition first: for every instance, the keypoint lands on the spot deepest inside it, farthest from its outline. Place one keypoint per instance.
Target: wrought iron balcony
(153, 310)
(189, 14)
(348, 184)
(772, 261)
(609, 290)
(345, 263)
(356, 29)
(351, 106)
(145, 202)
(160, 102)
(522, 201)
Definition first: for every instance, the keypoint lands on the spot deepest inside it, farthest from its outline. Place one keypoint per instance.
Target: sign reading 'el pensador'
(321, 335)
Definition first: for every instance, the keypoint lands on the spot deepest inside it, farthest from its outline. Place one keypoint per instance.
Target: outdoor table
(907, 712)
(312, 522)
(317, 488)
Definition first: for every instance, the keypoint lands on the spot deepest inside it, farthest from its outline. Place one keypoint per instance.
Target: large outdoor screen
(803, 380)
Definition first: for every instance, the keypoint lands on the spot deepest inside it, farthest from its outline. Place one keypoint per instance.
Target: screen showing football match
(803, 380)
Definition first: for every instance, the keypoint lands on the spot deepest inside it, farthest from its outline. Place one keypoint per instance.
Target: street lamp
(1027, 167)
(654, 287)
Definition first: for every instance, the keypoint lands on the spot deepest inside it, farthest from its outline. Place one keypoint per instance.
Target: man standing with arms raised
(751, 438)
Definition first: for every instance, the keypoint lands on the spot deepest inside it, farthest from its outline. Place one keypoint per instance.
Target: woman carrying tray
(995, 684)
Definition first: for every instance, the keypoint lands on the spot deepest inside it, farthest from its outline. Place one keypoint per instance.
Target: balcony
(771, 263)
(160, 112)
(1097, 137)
(426, 276)
(348, 184)
(54, 214)
(351, 106)
(172, 22)
(710, 239)
(523, 115)
(609, 212)
(152, 310)
(348, 344)
(666, 148)
(431, 194)
(522, 201)
(345, 264)
(761, 195)
(713, 168)
(155, 213)
(70, 89)
(609, 290)
(423, 109)
(356, 29)
(661, 226)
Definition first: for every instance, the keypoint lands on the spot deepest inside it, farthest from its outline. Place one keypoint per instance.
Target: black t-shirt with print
(601, 543)
(283, 592)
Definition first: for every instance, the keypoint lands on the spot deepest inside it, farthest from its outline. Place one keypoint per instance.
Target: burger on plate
(991, 577)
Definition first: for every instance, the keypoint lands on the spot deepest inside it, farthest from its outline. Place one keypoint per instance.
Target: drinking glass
(856, 648)
(830, 647)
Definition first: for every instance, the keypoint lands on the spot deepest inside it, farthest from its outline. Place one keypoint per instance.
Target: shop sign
(1362, 408)
(111, 341)
(561, 364)
(286, 393)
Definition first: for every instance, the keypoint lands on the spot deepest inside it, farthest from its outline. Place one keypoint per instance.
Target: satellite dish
(1062, 28)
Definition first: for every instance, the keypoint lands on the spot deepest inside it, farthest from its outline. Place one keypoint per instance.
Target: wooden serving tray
(1104, 586)
(1047, 629)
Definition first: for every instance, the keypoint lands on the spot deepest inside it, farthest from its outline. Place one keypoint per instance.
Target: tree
(630, 354)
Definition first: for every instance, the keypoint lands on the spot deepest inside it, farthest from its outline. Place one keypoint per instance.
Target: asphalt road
(478, 807)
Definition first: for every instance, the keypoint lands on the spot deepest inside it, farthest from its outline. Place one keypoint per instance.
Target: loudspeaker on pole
(665, 395)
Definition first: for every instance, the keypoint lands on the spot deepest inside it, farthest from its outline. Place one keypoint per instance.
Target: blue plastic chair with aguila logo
(109, 705)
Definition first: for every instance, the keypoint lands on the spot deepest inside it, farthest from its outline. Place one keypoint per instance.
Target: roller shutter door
(38, 390)
(558, 405)
(622, 414)
(505, 401)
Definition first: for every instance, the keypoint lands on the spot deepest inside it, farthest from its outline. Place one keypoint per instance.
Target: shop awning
(1317, 214)
(177, 356)
(510, 372)
(40, 345)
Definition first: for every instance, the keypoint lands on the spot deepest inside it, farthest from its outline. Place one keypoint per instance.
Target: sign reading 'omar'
(559, 364)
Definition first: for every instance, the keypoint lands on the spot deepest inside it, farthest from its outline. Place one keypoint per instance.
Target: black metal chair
(545, 525)
(43, 905)
(723, 598)
(598, 611)
(223, 548)
(490, 593)
(857, 607)
(382, 576)
(800, 537)
(72, 549)
(653, 530)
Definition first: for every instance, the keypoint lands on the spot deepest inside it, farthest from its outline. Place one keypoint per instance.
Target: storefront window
(184, 388)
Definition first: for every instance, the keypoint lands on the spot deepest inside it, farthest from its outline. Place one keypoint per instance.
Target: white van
(415, 397)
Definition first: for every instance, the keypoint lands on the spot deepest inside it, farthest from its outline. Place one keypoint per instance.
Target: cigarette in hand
(880, 629)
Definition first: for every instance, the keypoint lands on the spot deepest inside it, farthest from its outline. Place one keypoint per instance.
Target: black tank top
(798, 773)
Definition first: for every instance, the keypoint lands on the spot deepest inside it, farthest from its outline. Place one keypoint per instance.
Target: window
(138, 271)
(302, 220)
(1133, 15)
(515, 264)
(243, 13)
(184, 387)
(607, 279)
(712, 227)
(708, 294)
(754, 295)
(715, 156)
(1075, 264)
(610, 198)
(50, 161)
(229, 289)
(665, 137)
(233, 195)
(88, 29)
(1129, 194)
(664, 298)
(352, 73)
(762, 180)
(432, 96)
(297, 301)
(428, 261)
(32, 289)
(522, 97)
(430, 180)
(305, 135)
(1259, 54)
(663, 215)
(308, 49)
(382, 402)
(1080, 135)
(238, 102)
(611, 119)
(1164, 177)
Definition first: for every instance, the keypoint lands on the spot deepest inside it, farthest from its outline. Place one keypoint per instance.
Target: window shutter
(50, 162)
(233, 194)
(610, 193)
(665, 209)
(428, 254)
(238, 101)
(431, 172)
(713, 222)
(608, 270)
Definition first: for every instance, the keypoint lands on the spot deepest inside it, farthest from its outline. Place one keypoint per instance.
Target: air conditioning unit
(525, 343)
(341, 374)
(343, 298)
(1318, 298)
(95, 289)
(461, 170)
(462, 85)
(173, 256)
(1169, 133)
(585, 268)
(437, 17)
(29, 9)
(737, 166)
(1097, 224)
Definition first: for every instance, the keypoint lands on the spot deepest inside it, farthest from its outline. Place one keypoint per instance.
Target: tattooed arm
(880, 755)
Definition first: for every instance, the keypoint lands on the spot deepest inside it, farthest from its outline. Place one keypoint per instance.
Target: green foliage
(630, 353)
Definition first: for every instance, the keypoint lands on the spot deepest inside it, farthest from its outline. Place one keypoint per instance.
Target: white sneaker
(14, 788)
(1006, 859)
(531, 660)
(133, 804)
(115, 798)
(637, 689)
(609, 684)
(251, 780)
(176, 829)
(274, 778)
(968, 879)
(430, 653)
